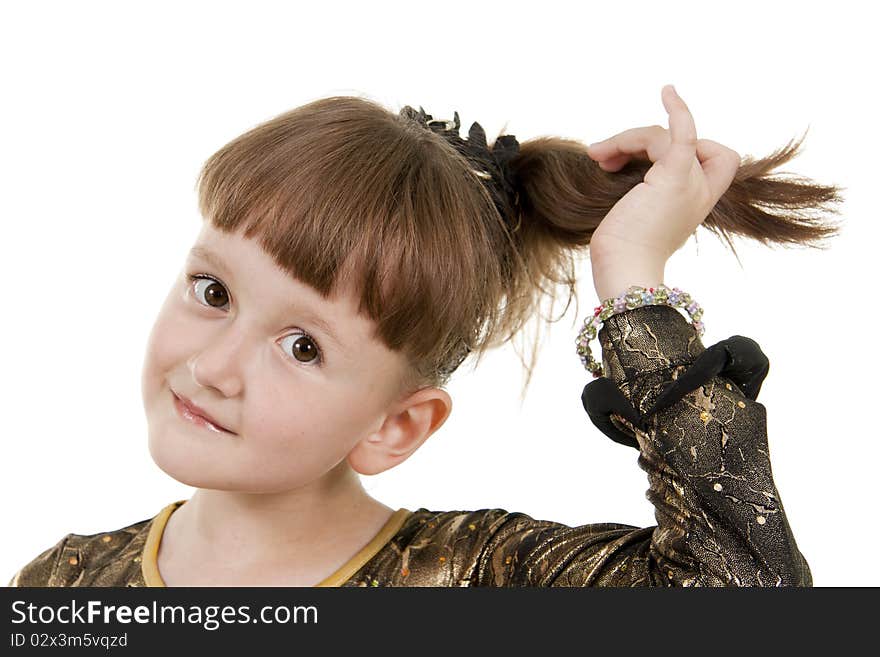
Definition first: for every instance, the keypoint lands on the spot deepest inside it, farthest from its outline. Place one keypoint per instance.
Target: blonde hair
(343, 191)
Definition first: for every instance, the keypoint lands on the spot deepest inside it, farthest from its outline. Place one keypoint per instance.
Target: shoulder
(455, 548)
(487, 532)
(64, 563)
(496, 547)
(38, 571)
(448, 548)
(483, 524)
(474, 526)
(431, 548)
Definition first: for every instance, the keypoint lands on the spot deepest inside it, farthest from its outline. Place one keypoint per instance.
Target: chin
(174, 463)
(186, 463)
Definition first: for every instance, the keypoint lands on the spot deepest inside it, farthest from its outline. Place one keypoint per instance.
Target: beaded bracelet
(634, 297)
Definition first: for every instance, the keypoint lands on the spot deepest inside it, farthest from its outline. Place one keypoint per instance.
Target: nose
(220, 363)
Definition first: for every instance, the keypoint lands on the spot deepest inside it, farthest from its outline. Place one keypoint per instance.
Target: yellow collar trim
(350, 567)
(150, 554)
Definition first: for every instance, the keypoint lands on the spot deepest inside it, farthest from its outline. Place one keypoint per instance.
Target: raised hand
(654, 219)
(687, 178)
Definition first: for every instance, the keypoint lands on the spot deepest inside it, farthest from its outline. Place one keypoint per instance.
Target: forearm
(720, 518)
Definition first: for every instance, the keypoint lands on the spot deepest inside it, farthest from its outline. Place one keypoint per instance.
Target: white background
(109, 109)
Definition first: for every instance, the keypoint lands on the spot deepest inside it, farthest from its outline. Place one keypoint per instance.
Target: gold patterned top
(720, 521)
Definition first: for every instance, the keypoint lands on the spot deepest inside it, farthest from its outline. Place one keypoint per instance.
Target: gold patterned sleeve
(720, 520)
(41, 570)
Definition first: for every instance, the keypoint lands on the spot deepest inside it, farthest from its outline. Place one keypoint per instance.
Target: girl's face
(296, 379)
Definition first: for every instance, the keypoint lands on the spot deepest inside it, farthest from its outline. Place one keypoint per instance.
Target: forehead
(244, 257)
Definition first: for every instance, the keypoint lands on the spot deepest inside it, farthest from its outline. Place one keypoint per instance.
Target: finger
(633, 141)
(647, 142)
(615, 163)
(679, 157)
(719, 163)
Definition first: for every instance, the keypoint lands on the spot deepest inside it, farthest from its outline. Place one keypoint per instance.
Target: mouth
(189, 414)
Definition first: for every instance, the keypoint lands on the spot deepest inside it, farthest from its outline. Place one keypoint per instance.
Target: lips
(200, 412)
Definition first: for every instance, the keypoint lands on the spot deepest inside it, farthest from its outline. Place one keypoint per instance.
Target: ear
(408, 424)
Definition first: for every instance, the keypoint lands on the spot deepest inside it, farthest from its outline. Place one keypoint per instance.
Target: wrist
(613, 278)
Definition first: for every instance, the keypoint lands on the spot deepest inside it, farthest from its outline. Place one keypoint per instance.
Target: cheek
(314, 426)
(169, 344)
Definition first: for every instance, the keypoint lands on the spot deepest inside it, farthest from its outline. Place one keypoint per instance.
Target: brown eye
(208, 291)
(304, 348)
(213, 292)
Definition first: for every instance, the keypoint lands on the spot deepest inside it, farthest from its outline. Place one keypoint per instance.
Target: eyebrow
(311, 317)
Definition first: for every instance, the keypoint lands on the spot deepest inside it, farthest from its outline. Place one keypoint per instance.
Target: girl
(350, 259)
